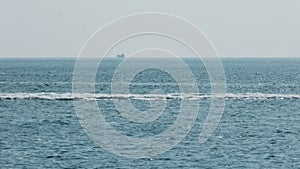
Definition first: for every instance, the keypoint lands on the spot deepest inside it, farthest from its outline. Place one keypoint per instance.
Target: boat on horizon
(121, 56)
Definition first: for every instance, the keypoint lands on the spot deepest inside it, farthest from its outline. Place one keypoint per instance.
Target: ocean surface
(260, 126)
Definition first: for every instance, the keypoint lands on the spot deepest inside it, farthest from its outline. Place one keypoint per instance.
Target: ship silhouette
(121, 56)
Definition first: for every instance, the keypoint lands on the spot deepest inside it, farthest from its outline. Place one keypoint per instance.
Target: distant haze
(236, 28)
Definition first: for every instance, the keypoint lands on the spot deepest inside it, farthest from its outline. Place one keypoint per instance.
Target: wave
(101, 96)
(148, 83)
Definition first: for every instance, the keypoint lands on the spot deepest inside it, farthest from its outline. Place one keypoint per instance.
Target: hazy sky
(236, 27)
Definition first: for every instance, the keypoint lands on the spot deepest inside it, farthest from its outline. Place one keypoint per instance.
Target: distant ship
(121, 56)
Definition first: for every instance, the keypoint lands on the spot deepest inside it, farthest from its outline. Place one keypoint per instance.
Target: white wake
(101, 96)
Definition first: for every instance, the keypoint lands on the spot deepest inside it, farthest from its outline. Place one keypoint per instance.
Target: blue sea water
(260, 126)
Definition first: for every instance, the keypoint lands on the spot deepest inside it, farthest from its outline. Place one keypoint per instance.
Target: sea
(259, 127)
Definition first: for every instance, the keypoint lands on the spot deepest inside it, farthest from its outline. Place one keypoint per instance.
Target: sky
(235, 27)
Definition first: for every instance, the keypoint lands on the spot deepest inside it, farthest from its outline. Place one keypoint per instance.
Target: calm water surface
(260, 127)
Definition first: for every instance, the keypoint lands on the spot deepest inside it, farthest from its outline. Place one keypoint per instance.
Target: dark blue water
(259, 128)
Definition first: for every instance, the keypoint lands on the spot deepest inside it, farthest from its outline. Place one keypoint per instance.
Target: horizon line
(296, 56)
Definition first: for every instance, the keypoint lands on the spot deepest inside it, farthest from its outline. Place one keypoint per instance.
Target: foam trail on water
(101, 96)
